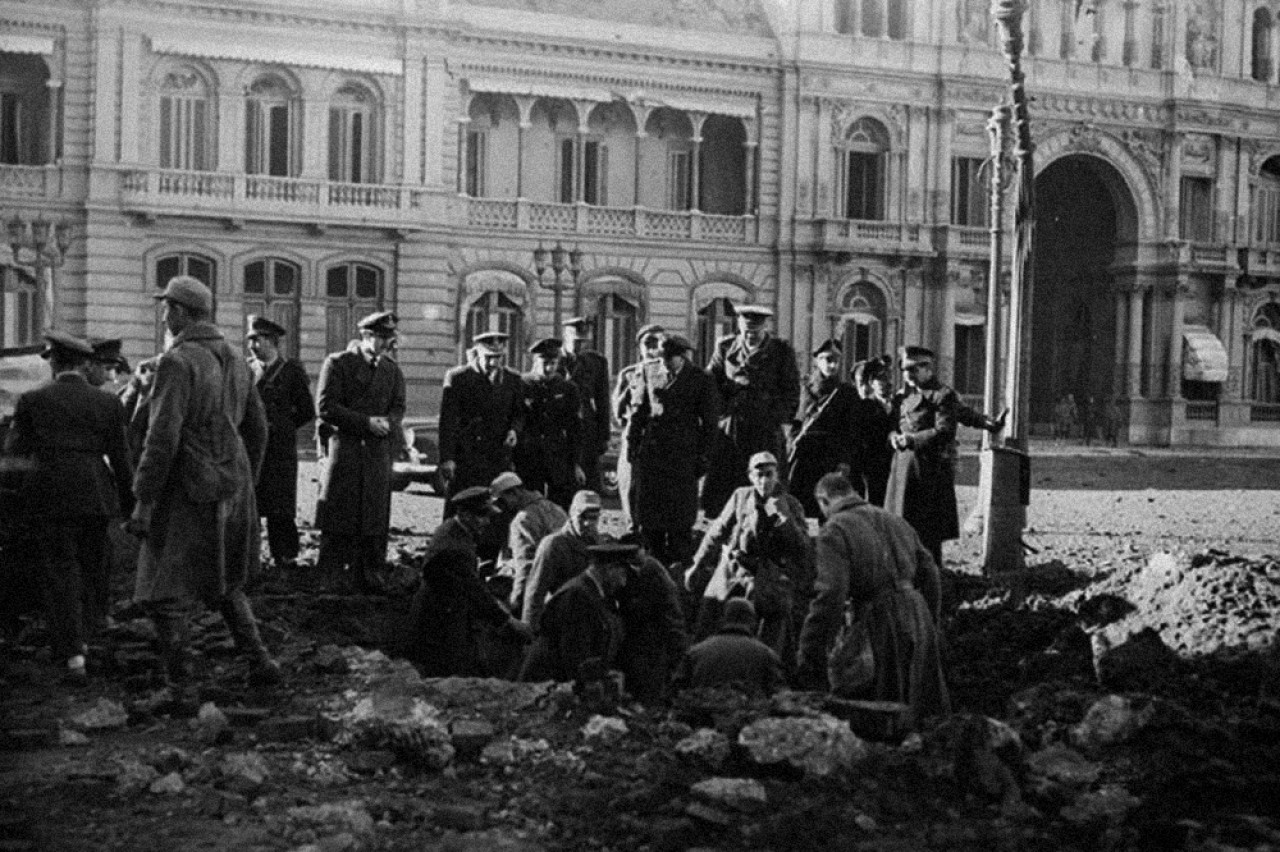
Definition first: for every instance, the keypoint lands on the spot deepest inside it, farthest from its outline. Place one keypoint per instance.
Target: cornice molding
(465, 69)
(546, 47)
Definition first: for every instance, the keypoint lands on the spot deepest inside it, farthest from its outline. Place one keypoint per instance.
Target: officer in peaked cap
(80, 476)
(481, 416)
(478, 500)
(106, 360)
(628, 394)
(759, 382)
(546, 456)
(361, 402)
(588, 369)
(286, 394)
(826, 434)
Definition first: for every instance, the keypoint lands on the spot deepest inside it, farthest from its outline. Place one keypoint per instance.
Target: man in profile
(361, 401)
(194, 484)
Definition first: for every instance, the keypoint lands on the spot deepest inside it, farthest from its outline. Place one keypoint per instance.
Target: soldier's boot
(238, 614)
(172, 631)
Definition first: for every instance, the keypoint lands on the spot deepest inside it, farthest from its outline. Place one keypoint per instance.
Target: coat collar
(852, 501)
(198, 331)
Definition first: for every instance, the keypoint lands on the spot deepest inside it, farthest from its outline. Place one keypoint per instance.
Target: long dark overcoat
(550, 444)
(878, 424)
(204, 446)
(475, 417)
(286, 396)
(670, 439)
(579, 624)
(760, 392)
(589, 372)
(921, 485)
(355, 485)
(653, 635)
(827, 432)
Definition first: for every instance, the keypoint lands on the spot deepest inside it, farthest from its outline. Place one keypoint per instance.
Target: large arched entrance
(1085, 217)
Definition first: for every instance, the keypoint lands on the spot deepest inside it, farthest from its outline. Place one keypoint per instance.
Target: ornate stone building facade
(317, 160)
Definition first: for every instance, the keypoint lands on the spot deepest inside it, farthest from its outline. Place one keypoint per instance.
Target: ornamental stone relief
(1097, 108)
(722, 16)
(1197, 149)
(1148, 146)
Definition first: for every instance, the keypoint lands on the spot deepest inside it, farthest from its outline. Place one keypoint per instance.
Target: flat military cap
(613, 552)
(263, 327)
(651, 328)
(872, 368)
(675, 345)
(188, 292)
(764, 458)
(66, 344)
(495, 339)
(909, 356)
(577, 322)
(585, 501)
(381, 323)
(505, 482)
(547, 347)
(474, 499)
(759, 311)
(108, 351)
(828, 345)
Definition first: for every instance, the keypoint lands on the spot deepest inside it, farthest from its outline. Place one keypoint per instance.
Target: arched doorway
(1084, 213)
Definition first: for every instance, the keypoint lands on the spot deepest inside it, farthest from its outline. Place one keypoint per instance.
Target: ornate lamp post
(562, 261)
(41, 246)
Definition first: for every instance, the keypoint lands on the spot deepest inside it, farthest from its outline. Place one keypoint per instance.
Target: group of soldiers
(518, 581)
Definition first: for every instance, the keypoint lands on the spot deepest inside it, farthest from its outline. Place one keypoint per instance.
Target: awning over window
(1204, 358)
(284, 54)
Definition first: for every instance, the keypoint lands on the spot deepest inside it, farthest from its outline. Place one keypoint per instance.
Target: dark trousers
(282, 536)
(590, 462)
(670, 546)
(72, 551)
(364, 554)
(173, 628)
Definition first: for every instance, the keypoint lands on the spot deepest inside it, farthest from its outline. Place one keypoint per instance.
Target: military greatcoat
(827, 433)
(475, 416)
(355, 486)
(550, 443)
(921, 485)
(286, 395)
(589, 372)
(760, 389)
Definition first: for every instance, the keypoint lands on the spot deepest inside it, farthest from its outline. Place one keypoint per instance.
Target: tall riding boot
(172, 630)
(235, 609)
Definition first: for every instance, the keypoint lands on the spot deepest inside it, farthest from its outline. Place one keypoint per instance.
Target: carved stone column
(1136, 297)
(1177, 303)
(53, 89)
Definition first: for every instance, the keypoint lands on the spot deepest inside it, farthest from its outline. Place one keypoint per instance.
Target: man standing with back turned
(194, 484)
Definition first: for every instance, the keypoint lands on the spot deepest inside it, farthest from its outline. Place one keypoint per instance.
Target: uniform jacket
(579, 624)
(550, 442)
(653, 631)
(560, 557)
(475, 417)
(534, 521)
(589, 372)
(671, 434)
(877, 562)
(452, 606)
(204, 447)
(879, 424)
(922, 478)
(754, 542)
(286, 396)
(66, 428)
(355, 484)
(732, 657)
(828, 431)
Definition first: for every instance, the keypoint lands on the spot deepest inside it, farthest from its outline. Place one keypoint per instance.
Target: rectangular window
(278, 142)
(566, 171)
(1197, 209)
(970, 192)
(680, 180)
(268, 131)
(1266, 214)
(477, 162)
(350, 149)
(970, 359)
(595, 172)
(864, 186)
(183, 134)
(10, 129)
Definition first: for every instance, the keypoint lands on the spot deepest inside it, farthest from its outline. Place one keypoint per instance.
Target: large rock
(333, 818)
(740, 794)
(1108, 805)
(210, 724)
(605, 729)
(819, 746)
(705, 746)
(103, 715)
(1134, 662)
(1110, 721)
(243, 773)
(407, 725)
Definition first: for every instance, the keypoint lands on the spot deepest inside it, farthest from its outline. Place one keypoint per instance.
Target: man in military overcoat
(828, 433)
(589, 371)
(361, 399)
(286, 394)
(481, 415)
(73, 437)
(550, 445)
(628, 394)
(759, 383)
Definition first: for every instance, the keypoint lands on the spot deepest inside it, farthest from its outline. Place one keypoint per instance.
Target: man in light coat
(194, 484)
(561, 556)
(535, 517)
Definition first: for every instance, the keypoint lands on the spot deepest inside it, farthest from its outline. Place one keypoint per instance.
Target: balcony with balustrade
(540, 217)
(855, 235)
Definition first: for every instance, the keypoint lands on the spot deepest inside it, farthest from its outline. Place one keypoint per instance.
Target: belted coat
(921, 485)
(286, 396)
(355, 484)
(475, 417)
(828, 431)
(203, 450)
(589, 372)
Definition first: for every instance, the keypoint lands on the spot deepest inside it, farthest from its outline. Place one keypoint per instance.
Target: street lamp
(562, 261)
(41, 245)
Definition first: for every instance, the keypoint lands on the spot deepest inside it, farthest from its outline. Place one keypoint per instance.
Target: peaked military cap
(651, 328)
(872, 368)
(828, 345)
(474, 499)
(675, 345)
(263, 327)
(909, 356)
(754, 311)
(66, 344)
(381, 323)
(491, 338)
(547, 347)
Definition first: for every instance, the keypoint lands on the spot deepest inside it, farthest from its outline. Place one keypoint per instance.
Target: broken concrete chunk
(706, 746)
(746, 795)
(1110, 721)
(606, 729)
(104, 715)
(818, 747)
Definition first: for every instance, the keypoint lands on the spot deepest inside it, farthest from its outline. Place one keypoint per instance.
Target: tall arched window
(19, 308)
(1264, 356)
(861, 323)
(863, 162)
(271, 129)
(199, 267)
(353, 135)
(351, 291)
(272, 288)
(1262, 26)
(497, 311)
(715, 320)
(1266, 204)
(185, 121)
